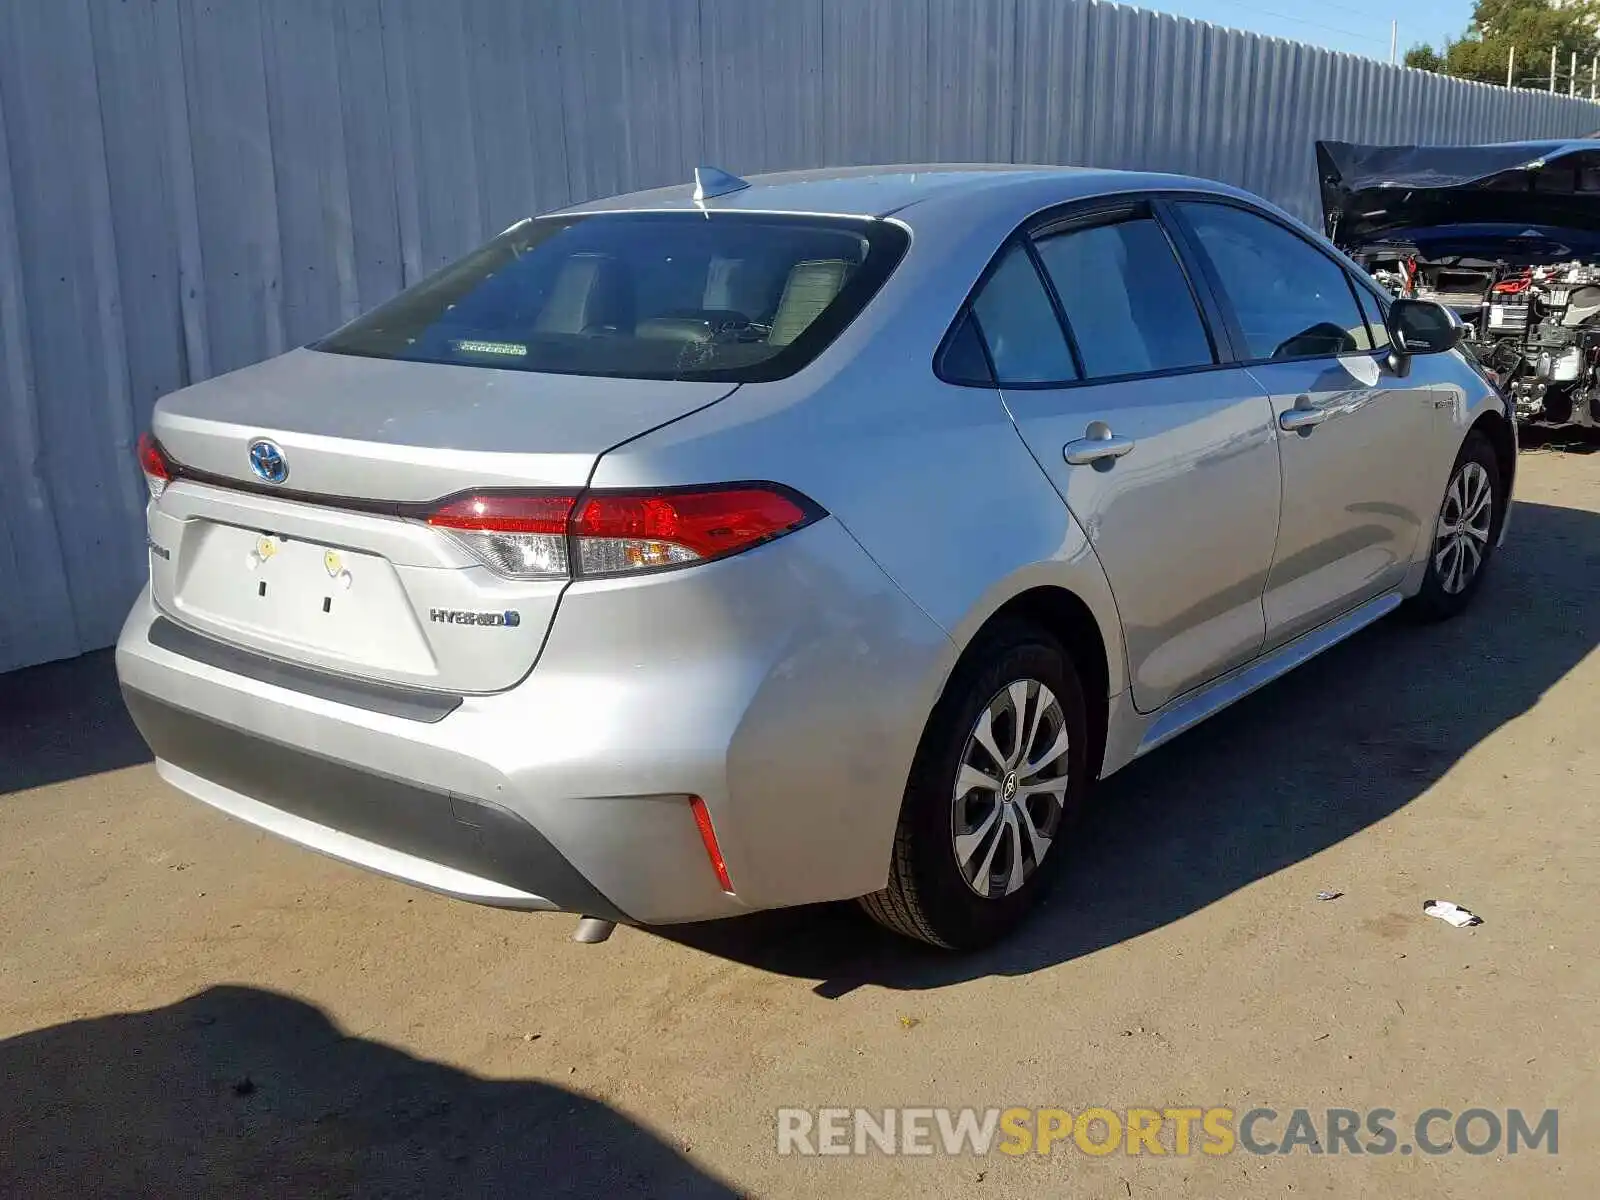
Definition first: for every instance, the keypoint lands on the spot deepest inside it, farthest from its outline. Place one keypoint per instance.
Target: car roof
(880, 191)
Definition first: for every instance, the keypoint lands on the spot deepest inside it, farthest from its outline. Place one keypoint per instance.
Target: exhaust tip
(592, 931)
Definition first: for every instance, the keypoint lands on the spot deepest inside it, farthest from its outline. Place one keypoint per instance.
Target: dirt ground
(188, 1007)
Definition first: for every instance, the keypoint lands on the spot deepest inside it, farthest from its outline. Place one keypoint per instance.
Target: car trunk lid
(335, 566)
(387, 430)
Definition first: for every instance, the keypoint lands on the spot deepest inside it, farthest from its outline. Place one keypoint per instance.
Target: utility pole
(1594, 69)
(1511, 65)
(1572, 79)
(1394, 40)
(1552, 70)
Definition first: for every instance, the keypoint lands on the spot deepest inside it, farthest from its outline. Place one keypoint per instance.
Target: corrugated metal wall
(187, 186)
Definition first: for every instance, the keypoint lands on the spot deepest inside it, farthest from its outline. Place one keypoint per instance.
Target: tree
(1424, 58)
(1533, 27)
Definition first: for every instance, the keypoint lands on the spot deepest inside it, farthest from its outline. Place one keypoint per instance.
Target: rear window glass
(737, 297)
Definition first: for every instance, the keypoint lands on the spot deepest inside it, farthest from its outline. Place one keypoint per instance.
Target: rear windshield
(737, 297)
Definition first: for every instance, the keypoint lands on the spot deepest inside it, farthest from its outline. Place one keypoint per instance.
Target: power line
(1354, 12)
(1267, 12)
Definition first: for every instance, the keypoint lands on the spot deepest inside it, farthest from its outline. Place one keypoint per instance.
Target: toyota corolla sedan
(820, 535)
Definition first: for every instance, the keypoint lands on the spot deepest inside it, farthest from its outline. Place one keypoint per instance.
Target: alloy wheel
(1010, 791)
(1462, 539)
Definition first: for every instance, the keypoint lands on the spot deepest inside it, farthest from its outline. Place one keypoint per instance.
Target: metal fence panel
(187, 186)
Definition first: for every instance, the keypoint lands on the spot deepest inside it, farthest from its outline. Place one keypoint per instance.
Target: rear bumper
(786, 687)
(464, 847)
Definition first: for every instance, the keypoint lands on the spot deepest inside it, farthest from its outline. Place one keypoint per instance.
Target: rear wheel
(998, 780)
(1464, 538)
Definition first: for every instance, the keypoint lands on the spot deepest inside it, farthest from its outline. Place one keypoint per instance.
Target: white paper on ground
(1447, 910)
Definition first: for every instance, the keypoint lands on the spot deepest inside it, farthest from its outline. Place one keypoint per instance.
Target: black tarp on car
(1523, 202)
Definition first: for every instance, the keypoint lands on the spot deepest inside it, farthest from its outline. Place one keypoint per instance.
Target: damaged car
(1507, 235)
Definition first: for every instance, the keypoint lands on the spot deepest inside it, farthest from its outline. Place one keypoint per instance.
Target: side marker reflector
(708, 835)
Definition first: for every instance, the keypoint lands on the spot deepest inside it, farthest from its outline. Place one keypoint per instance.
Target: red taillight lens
(708, 836)
(154, 463)
(538, 536)
(517, 535)
(494, 512)
(632, 532)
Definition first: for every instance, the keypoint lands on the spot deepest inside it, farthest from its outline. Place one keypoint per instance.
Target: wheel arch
(1067, 617)
(916, 900)
(1503, 437)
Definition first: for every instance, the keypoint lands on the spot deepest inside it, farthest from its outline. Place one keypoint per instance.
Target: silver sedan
(759, 542)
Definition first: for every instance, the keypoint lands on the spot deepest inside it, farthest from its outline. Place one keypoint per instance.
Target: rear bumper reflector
(708, 835)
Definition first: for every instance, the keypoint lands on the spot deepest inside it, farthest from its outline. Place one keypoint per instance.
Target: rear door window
(963, 359)
(1290, 300)
(1019, 324)
(736, 297)
(1126, 299)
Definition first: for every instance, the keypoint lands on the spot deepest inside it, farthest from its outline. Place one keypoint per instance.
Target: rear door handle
(1302, 418)
(1098, 447)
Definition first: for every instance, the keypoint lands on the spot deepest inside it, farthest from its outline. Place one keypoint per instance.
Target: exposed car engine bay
(1535, 329)
(1507, 235)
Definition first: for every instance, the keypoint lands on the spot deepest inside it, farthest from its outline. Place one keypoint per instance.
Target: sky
(1354, 26)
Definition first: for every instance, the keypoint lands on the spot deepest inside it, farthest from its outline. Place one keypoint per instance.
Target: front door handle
(1302, 418)
(1098, 447)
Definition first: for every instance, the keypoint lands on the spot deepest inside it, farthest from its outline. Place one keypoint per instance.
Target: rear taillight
(519, 536)
(635, 532)
(156, 466)
(543, 536)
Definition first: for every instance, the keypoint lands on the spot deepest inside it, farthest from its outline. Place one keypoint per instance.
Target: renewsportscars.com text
(1177, 1131)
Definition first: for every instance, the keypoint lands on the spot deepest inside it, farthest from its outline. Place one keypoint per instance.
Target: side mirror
(1423, 327)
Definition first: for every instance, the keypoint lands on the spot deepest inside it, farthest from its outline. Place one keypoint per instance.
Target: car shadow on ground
(1567, 439)
(236, 1091)
(62, 721)
(1334, 747)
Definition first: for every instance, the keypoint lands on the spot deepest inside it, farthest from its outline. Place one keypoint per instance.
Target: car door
(1167, 459)
(1353, 434)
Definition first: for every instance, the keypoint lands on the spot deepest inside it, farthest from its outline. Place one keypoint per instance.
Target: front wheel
(1464, 538)
(998, 779)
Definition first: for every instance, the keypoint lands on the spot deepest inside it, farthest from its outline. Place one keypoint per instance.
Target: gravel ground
(188, 1007)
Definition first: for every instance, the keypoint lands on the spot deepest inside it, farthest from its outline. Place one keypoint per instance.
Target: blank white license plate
(288, 593)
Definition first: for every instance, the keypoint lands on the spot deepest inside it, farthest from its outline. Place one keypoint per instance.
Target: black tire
(1437, 601)
(928, 896)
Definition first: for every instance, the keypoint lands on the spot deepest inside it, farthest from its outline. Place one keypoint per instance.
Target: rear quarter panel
(934, 483)
(932, 487)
